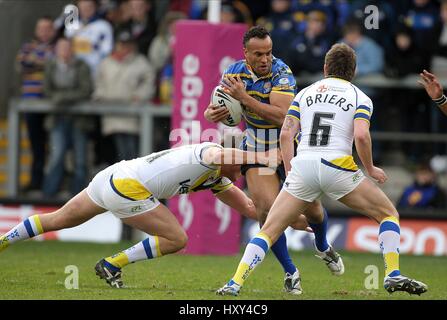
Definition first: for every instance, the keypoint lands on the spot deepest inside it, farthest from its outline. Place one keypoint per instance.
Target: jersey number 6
(319, 136)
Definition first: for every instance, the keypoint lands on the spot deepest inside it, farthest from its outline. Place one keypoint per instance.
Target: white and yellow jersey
(327, 110)
(168, 173)
(324, 164)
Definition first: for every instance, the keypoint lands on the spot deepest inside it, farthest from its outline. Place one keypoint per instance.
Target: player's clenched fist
(215, 113)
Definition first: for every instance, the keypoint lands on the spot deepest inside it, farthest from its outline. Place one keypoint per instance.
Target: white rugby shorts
(313, 176)
(121, 194)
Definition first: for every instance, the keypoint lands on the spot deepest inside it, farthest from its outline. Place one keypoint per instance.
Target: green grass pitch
(36, 270)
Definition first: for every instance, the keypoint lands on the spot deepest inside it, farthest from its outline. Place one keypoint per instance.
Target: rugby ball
(224, 100)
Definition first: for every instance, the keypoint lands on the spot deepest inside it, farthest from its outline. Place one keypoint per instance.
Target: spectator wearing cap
(307, 51)
(127, 77)
(424, 192)
(30, 63)
(93, 39)
(67, 81)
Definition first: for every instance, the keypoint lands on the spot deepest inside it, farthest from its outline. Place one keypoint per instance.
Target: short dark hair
(45, 17)
(352, 25)
(340, 61)
(95, 2)
(255, 32)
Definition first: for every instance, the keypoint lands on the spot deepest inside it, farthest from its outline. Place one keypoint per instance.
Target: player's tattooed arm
(289, 130)
(288, 124)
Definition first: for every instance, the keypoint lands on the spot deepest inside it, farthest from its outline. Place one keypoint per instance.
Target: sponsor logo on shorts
(184, 186)
(356, 177)
(136, 209)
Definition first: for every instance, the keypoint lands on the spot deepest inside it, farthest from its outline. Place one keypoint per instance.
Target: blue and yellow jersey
(260, 133)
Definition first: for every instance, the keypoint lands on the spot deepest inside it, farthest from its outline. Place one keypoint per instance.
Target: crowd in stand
(122, 51)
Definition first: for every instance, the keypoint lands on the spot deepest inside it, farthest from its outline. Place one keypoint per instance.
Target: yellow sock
(118, 260)
(391, 262)
(253, 256)
(4, 243)
(389, 241)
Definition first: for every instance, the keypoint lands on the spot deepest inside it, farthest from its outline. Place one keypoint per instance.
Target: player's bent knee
(180, 241)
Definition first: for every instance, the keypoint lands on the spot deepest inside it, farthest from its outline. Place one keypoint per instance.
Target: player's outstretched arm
(239, 201)
(289, 130)
(434, 89)
(219, 156)
(363, 145)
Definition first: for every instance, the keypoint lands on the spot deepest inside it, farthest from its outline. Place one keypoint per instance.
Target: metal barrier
(145, 112)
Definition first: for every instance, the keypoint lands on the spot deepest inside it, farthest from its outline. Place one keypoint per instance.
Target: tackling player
(330, 114)
(131, 191)
(265, 86)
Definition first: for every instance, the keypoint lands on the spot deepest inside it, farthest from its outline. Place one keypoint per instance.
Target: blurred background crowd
(122, 51)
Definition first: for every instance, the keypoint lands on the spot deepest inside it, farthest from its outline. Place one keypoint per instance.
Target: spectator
(439, 62)
(184, 6)
(423, 17)
(251, 10)
(230, 14)
(124, 76)
(424, 192)
(403, 58)
(442, 43)
(232, 11)
(93, 40)
(141, 24)
(308, 50)
(336, 11)
(160, 55)
(31, 61)
(281, 25)
(116, 12)
(67, 81)
(386, 21)
(370, 60)
(370, 56)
